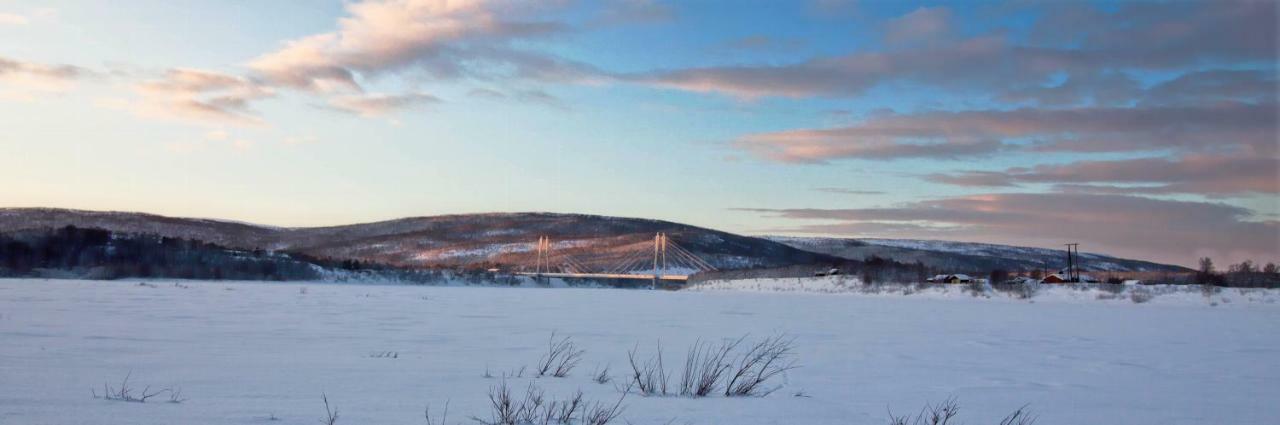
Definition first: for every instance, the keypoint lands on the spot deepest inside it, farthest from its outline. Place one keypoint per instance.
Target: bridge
(666, 262)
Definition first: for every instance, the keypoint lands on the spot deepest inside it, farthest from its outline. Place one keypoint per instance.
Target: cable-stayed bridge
(663, 260)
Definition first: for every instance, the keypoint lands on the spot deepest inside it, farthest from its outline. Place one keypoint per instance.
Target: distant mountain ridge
(507, 239)
(468, 239)
(966, 256)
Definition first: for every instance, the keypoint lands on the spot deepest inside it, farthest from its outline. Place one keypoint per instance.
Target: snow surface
(244, 352)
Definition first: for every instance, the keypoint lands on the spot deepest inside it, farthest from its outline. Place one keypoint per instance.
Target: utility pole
(1073, 272)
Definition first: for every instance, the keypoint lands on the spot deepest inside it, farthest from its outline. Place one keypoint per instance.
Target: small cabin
(951, 278)
(1054, 278)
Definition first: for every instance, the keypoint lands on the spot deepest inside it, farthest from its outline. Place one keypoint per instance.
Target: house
(951, 278)
(1022, 280)
(831, 272)
(1061, 278)
(1054, 278)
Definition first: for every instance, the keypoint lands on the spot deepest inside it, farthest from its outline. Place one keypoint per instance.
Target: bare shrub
(939, 414)
(330, 414)
(175, 396)
(1140, 295)
(943, 413)
(444, 417)
(563, 412)
(651, 376)
(535, 409)
(704, 366)
(975, 288)
(601, 376)
(125, 393)
(1019, 417)
(709, 367)
(503, 409)
(561, 357)
(763, 361)
(1020, 291)
(602, 414)
(1112, 288)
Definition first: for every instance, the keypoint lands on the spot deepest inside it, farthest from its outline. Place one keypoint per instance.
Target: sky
(1145, 130)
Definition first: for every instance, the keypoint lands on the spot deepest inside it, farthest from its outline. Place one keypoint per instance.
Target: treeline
(1245, 274)
(101, 254)
(873, 269)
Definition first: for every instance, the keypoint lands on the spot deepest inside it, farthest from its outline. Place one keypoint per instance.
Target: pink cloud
(442, 39)
(201, 96)
(1250, 128)
(1162, 230)
(1196, 174)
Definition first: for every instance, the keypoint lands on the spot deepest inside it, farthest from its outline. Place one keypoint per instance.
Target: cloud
(1161, 230)
(761, 42)
(922, 51)
(376, 105)
(202, 96)
(1194, 174)
(1215, 86)
(218, 138)
(846, 191)
(1231, 126)
(820, 146)
(924, 25)
(618, 12)
(442, 39)
(13, 19)
(13, 71)
(33, 15)
(526, 96)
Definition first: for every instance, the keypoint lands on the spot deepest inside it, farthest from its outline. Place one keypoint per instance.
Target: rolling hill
(498, 239)
(967, 256)
(598, 242)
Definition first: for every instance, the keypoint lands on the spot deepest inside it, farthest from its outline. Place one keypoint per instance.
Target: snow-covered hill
(470, 239)
(966, 255)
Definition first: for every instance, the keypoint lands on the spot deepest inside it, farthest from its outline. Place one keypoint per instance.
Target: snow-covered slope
(500, 238)
(244, 353)
(963, 256)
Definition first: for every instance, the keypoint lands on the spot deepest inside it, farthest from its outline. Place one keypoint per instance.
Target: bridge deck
(665, 277)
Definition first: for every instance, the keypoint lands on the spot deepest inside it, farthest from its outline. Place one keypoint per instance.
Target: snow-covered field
(244, 353)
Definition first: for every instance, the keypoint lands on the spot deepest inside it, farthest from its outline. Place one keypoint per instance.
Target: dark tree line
(1245, 274)
(101, 254)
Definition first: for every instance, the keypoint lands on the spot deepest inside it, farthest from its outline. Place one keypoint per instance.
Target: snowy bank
(1059, 293)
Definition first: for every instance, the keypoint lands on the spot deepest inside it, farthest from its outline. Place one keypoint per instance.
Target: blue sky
(1101, 123)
